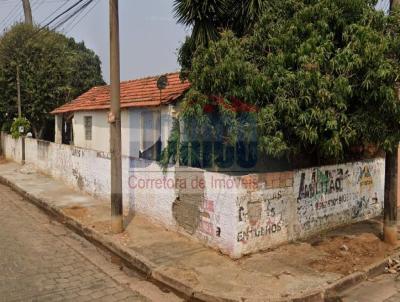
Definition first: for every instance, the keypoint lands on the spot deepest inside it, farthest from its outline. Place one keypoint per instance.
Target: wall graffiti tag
(329, 197)
(261, 217)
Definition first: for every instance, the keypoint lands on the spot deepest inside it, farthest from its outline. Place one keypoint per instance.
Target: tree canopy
(321, 73)
(53, 70)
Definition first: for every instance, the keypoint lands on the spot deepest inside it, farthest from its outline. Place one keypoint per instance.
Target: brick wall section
(273, 180)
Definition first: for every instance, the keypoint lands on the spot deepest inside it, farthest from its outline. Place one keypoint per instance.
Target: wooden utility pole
(390, 202)
(28, 20)
(20, 115)
(27, 12)
(394, 3)
(115, 123)
(19, 94)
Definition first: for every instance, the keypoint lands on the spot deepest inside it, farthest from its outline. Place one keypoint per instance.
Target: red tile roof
(135, 93)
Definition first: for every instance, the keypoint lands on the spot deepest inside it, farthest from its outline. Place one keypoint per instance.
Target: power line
(63, 13)
(73, 25)
(17, 10)
(72, 15)
(36, 5)
(56, 11)
(11, 15)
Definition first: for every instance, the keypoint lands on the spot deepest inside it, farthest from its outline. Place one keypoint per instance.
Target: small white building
(146, 117)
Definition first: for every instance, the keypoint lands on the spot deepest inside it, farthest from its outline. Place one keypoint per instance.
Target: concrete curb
(155, 273)
(347, 282)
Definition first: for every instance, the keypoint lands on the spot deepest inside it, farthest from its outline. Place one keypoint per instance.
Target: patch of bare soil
(89, 218)
(123, 238)
(76, 212)
(347, 254)
(102, 226)
(2, 160)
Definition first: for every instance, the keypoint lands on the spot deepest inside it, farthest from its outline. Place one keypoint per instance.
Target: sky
(149, 35)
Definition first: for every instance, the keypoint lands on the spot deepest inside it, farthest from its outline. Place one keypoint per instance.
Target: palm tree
(245, 14)
(205, 17)
(208, 17)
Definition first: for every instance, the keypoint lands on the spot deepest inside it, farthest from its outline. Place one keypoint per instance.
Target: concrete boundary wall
(237, 215)
(283, 207)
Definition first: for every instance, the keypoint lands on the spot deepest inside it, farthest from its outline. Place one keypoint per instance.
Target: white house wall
(131, 129)
(100, 131)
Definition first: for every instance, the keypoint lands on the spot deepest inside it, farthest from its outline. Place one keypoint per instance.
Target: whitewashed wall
(11, 147)
(131, 132)
(151, 191)
(237, 215)
(282, 207)
(100, 131)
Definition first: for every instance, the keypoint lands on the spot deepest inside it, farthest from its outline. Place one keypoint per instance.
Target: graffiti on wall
(329, 197)
(77, 152)
(262, 216)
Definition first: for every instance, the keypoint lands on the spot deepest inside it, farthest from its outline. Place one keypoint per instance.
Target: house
(146, 116)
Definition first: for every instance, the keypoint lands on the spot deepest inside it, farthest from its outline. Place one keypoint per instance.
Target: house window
(88, 128)
(150, 134)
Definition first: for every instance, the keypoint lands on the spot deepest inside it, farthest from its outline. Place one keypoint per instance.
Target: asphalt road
(41, 260)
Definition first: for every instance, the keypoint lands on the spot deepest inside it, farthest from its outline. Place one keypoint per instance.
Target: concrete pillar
(58, 129)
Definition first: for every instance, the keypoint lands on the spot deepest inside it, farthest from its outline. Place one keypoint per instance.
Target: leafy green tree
(321, 73)
(19, 124)
(53, 70)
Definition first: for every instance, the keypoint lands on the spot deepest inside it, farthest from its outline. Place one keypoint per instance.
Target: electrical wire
(73, 25)
(71, 15)
(11, 15)
(62, 14)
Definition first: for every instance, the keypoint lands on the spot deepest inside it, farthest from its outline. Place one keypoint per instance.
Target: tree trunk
(38, 131)
(35, 132)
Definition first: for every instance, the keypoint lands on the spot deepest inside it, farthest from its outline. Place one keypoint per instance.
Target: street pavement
(41, 260)
(384, 288)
